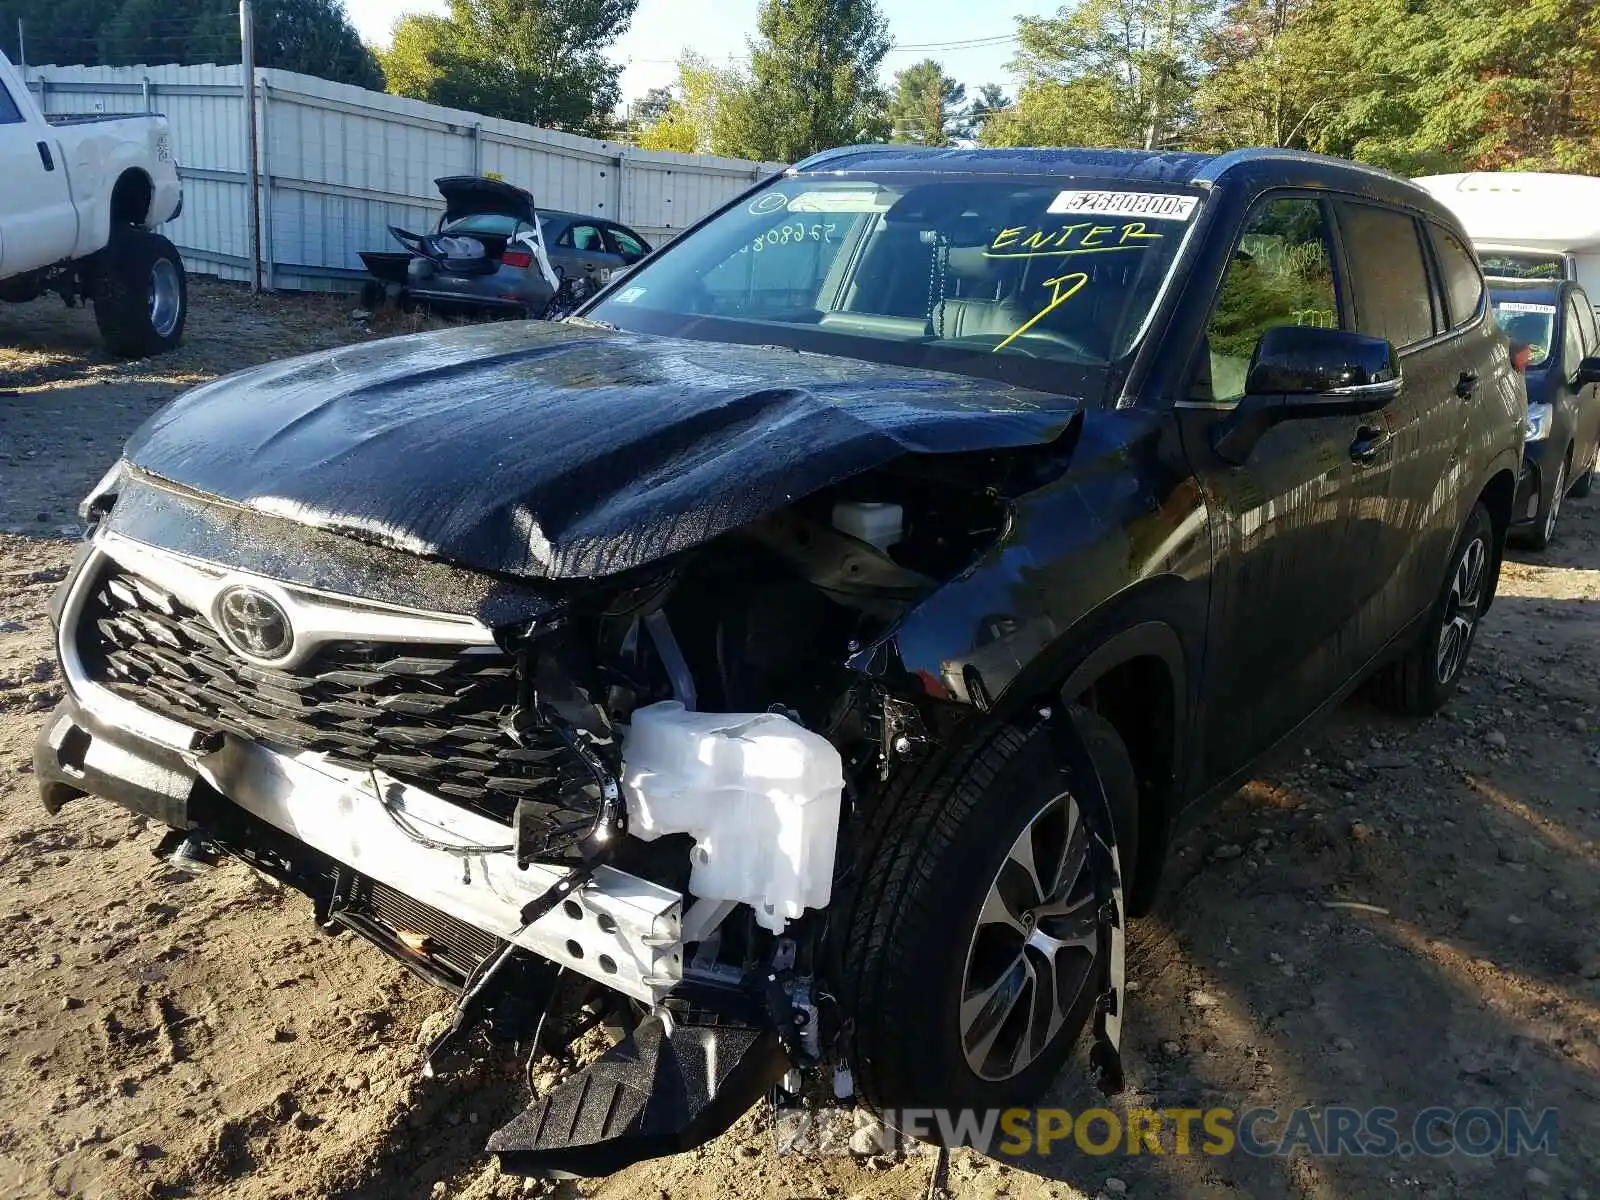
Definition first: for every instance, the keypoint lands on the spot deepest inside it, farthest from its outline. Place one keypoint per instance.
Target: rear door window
(1463, 285)
(585, 238)
(1389, 277)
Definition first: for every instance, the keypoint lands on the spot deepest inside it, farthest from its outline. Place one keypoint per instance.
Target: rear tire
(944, 933)
(1420, 683)
(142, 297)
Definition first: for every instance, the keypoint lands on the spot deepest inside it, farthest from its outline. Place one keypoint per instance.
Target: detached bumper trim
(75, 755)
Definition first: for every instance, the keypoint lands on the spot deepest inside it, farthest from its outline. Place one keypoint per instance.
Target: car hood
(562, 450)
(467, 195)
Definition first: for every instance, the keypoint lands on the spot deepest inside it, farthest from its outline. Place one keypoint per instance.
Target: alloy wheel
(1036, 945)
(166, 297)
(1462, 607)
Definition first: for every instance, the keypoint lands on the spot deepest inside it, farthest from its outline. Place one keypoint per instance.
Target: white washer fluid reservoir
(758, 793)
(877, 524)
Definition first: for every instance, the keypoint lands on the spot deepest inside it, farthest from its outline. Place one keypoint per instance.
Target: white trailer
(1528, 224)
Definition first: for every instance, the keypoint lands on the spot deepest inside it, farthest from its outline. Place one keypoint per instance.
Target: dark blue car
(1551, 326)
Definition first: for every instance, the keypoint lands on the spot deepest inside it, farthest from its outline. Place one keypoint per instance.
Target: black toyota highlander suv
(1019, 500)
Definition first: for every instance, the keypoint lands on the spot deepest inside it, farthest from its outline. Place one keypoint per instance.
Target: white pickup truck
(80, 199)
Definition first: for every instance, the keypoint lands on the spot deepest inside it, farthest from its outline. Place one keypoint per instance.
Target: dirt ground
(169, 1035)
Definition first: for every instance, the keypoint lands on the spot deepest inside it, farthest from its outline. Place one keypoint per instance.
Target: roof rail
(1225, 162)
(822, 156)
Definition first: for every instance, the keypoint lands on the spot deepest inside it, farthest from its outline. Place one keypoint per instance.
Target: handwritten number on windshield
(790, 234)
(1062, 288)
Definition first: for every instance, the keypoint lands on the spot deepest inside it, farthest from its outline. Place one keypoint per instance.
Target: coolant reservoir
(758, 793)
(877, 524)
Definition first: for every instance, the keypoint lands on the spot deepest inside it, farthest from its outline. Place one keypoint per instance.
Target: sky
(662, 29)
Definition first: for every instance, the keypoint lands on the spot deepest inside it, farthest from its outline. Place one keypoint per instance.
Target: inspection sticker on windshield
(1163, 206)
(1522, 306)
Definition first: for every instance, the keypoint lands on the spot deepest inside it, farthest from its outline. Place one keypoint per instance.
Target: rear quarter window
(1389, 278)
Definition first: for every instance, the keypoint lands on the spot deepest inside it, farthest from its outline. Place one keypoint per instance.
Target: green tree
(57, 31)
(1107, 73)
(539, 61)
(651, 107)
(1442, 85)
(991, 98)
(927, 107)
(1264, 85)
(1449, 84)
(314, 37)
(708, 111)
(813, 80)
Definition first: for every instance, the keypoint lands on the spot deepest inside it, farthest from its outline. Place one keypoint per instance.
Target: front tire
(142, 298)
(1419, 684)
(972, 953)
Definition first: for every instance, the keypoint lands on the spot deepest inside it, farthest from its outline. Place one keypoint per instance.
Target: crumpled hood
(562, 451)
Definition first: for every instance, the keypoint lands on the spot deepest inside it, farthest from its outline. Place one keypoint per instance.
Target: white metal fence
(339, 164)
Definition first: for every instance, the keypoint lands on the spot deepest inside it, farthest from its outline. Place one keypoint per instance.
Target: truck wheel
(143, 295)
(973, 956)
(1420, 683)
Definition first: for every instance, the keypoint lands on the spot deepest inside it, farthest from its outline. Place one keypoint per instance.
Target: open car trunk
(474, 253)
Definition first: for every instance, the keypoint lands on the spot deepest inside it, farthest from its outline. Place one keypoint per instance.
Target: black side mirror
(1589, 370)
(1339, 372)
(1303, 371)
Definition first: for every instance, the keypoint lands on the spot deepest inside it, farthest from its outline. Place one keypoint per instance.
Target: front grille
(430, 716)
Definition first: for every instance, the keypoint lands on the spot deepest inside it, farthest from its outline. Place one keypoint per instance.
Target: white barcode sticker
(1522, 306)
(1162, 206)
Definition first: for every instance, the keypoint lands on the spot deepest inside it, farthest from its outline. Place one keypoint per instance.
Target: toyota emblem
(254, 623)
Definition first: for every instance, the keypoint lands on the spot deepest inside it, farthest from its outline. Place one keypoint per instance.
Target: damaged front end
(622, 802)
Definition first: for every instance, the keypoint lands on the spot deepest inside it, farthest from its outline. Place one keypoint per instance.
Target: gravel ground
(164, 1035)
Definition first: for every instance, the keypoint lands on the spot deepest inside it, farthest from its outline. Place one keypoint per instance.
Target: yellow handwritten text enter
(1026, 241)
(1062, 288)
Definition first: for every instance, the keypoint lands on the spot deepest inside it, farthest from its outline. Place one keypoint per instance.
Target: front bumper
(1533, 483)
(620, 930)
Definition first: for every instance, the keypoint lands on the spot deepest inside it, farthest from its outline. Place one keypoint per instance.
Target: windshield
(1007, 277)
(1528, 324)
(1522, 266)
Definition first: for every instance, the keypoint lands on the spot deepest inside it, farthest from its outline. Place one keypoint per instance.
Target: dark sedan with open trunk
(494, 250)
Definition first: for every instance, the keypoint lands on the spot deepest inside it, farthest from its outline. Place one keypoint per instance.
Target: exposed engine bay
(589, 719)
(630, 806)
